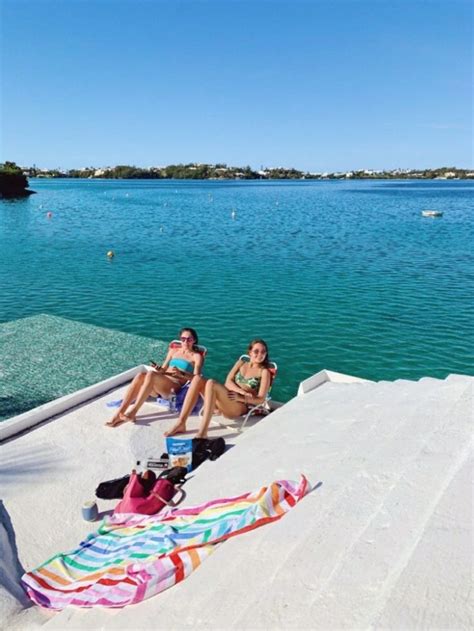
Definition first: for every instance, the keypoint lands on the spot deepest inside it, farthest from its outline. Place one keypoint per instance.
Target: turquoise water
(45, 357)
(342, 275)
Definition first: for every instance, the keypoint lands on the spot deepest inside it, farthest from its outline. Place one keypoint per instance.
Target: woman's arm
(250, 398)
(168, 357)
(230, 380)
(165, 364)
(198, 362)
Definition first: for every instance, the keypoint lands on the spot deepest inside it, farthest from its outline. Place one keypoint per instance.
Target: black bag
(176, 475)
(112, 489)
(207, 449)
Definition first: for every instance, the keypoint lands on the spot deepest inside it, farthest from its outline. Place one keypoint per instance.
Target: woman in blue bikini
(181, 365)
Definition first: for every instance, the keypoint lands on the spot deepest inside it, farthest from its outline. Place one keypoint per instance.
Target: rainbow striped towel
(133, 557)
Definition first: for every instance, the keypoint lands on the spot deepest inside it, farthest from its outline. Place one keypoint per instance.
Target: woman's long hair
(193, 333)
(266, 361)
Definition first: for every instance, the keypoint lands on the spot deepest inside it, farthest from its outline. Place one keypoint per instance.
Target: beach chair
(262, 409)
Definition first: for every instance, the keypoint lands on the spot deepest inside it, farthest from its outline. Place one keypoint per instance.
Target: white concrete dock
(383, 541)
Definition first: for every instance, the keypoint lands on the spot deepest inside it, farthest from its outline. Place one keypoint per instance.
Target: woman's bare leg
(209, 405)
(130, 394)
(196, 388)
(215, 394)
(155, 383)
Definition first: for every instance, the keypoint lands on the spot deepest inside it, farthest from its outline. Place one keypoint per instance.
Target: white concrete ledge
(37, 415)
(324, 376)
(27, 420)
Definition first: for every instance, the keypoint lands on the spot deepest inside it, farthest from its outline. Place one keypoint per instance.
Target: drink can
(172, 401)
(90, 511)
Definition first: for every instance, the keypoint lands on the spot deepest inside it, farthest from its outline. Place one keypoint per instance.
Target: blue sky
(316, 85)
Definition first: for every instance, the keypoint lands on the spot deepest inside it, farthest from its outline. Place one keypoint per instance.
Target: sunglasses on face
(188, 338)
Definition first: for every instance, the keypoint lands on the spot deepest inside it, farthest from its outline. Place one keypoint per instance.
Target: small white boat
(432, 213)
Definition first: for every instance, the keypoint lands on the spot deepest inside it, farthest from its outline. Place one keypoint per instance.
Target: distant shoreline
(171, 179)
(302, 179)
(218, 172)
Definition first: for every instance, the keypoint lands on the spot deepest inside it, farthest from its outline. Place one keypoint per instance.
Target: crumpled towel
(133, 557)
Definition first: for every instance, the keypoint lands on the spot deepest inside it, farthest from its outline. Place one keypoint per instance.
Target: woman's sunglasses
(183, 338)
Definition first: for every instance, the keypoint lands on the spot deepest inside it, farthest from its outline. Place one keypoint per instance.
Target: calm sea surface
(340, 275)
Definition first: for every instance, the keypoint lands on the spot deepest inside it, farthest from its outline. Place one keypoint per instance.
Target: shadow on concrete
(148, 419)
(11, 569)
(26, 464)
(105, 513)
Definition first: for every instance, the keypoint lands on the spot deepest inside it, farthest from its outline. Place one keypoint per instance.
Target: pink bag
(136, 500)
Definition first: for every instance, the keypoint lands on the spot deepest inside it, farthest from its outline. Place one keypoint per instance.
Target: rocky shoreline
(13, 184)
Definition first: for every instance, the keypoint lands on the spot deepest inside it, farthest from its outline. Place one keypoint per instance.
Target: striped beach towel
(133, 557)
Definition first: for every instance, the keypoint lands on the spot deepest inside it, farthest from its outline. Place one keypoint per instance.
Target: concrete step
(392, 481)
(433, 380)
(364, 434)
(410, 383)
(355, 424)
(397, 504)
(352, 398)
(462, 378)
(387, 423)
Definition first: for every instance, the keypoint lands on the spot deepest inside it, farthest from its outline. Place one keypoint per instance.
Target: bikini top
(181, 364)
(251, 382)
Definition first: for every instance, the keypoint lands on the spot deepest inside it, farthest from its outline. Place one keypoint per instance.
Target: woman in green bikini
(247, 384)
(181, 365)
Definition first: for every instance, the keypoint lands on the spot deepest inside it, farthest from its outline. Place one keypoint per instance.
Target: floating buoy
(49, 215)
(432, 213)
(110, 254)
